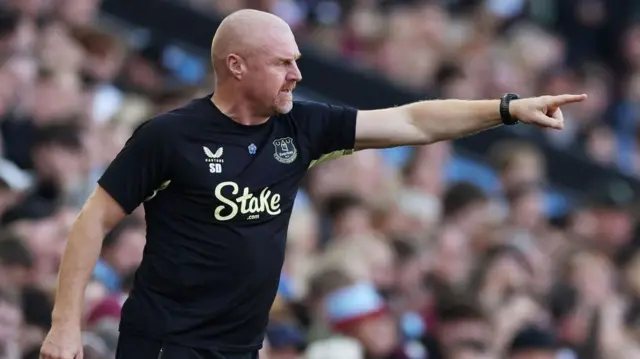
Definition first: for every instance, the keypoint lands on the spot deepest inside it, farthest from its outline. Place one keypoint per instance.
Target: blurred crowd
(386, 259)
(476, 49)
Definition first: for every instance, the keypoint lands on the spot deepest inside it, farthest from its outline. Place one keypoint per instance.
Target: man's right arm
(140, 168)
(98, 216)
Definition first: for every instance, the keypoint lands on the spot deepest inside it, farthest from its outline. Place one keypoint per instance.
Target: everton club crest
(285, 150)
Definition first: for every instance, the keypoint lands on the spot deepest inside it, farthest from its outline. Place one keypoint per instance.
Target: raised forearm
(450, 119)
(78, 261)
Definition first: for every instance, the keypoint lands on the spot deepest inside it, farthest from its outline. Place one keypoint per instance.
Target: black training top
(218, 197)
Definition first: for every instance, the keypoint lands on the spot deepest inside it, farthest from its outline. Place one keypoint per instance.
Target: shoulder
(311, 107)
(162, 133)
(302, 106)
(304, 109)
(313, 110)
(157, 126)
(169, 124)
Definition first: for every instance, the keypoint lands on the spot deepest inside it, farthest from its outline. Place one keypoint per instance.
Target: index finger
(565, 99)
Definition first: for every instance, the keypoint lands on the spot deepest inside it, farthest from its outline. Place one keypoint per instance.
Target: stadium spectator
(455, 266)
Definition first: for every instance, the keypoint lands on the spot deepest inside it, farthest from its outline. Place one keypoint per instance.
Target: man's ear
(236, 65)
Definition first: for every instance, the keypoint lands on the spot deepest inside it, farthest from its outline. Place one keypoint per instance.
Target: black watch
(505, 115)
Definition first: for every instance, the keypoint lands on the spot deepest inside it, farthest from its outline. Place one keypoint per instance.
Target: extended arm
(426, 122)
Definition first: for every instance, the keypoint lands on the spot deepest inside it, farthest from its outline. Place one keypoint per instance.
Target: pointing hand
(543, 111)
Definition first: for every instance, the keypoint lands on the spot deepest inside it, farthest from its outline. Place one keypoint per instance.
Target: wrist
(65, 320)
(507, 114)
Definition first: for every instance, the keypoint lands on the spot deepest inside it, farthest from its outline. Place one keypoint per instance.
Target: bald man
(218, 178)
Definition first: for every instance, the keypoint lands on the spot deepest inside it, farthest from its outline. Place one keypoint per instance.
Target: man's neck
(236, 108)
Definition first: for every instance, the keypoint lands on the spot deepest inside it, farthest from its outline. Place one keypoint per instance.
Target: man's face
(477, 218)
(38, 235)
(57, 98)
(272, 72)
(61, 165)
(527, 168)
(615, 225)
(450, 261)
(527, 210)
(354, 221)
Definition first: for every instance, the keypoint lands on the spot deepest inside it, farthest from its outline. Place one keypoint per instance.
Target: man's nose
(295, 74)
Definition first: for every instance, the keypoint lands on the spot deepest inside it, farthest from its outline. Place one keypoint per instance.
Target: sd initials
(215, 168)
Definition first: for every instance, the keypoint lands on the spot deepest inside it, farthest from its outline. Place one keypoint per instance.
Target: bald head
(254, 58)
(245, 32)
